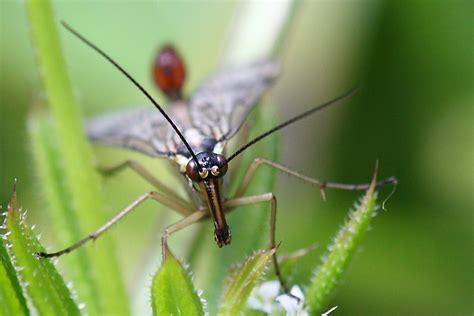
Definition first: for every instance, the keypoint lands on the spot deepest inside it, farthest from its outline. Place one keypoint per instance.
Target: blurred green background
(414, 113)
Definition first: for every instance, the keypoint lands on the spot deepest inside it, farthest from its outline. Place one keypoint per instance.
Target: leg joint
(259, 160)
(270, 196)
(151, 194)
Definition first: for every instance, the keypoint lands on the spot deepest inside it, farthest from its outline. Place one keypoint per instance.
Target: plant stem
(347, 241)
(80, 178)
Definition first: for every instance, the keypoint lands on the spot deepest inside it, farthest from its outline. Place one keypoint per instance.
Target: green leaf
(241, 281)
(68, 176)
(12, 301)
(63, 222)
(329, 273)
(173, 292)
(46, 288)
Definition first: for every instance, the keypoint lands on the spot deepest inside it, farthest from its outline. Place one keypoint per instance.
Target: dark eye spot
(222, 164)
(192, 171)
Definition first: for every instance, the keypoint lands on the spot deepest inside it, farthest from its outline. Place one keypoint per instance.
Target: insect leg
(148, 176)
(195, 216)
(96, 234)
(265, 197)
(322, 184)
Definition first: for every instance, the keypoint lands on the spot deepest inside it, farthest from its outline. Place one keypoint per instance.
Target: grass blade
(80, 183)
(242, 280)
(12, 301)
(45, 286)
(329, 273)
(65, 224)
(248, 40)
(173, 292)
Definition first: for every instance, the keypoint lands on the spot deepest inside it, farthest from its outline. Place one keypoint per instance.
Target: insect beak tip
(222, 236)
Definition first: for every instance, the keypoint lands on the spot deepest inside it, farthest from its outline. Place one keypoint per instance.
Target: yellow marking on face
(204, 173)
(215, 170)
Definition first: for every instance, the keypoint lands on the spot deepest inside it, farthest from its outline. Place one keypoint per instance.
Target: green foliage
(67, 173)
(12, 301)
(63, 222)
(329, 273)
(172, 290)
(46, 288)
(242, 280)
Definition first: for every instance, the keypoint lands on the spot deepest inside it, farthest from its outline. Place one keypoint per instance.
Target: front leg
(253, 199)
(149, 177)
(101, 230)
(322, 184)
(195, 217)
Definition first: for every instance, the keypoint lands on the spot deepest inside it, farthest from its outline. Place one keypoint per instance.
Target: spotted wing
(143, 129)
(220, 105)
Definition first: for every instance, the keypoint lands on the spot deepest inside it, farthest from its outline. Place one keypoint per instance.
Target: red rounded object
(169, 72)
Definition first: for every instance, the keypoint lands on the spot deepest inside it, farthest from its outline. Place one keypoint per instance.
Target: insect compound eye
(221, 164)
(192, 171)
(169, 72)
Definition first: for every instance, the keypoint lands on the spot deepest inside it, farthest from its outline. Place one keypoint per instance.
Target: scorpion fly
(193, 134)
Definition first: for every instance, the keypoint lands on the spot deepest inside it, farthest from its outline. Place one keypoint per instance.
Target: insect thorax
(183, 156)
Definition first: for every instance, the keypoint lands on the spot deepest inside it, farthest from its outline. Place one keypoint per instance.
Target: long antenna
(139, 86)
(298, 117)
